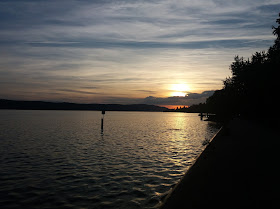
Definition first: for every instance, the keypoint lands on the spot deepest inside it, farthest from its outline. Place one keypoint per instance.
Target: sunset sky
(127, 52)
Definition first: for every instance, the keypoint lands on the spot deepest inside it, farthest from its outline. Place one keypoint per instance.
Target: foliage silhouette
(253, 87)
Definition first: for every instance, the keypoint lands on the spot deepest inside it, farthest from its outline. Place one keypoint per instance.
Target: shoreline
(238, 168)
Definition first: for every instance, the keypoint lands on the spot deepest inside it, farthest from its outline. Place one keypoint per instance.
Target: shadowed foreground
(238, 169)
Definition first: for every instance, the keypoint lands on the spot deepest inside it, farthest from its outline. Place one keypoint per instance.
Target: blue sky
(127, 51)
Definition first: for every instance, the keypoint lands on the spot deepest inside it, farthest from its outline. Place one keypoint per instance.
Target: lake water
(60, 159)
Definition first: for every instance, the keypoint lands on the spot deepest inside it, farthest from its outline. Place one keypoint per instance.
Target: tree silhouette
(276, 32)
(253, 85)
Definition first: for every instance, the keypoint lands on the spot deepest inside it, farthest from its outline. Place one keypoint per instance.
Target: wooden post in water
(102, 121)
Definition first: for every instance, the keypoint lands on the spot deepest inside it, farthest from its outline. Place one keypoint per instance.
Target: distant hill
(38, 105)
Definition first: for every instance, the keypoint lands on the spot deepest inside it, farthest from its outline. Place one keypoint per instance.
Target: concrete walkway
(240, 168)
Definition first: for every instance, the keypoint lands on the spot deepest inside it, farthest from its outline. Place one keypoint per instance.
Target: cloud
(191, 98)
(199, 96)
(127, 48)
(146, 91)
(222, 43)
(124, 21)
(133, 24)
(76, 91)
(269, 8)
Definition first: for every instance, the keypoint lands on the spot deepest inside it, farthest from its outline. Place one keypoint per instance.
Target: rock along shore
(240, 168)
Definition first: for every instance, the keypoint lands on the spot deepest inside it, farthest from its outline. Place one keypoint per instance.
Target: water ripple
(65, 163)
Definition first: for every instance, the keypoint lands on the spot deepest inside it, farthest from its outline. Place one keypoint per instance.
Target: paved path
(239, 169)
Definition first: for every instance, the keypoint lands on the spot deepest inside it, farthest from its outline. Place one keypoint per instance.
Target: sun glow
(178, 94)
(179, 90)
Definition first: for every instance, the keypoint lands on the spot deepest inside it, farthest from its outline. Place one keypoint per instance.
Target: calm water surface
(60, 159)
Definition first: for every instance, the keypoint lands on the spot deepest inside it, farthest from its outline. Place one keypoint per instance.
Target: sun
(179, 89)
